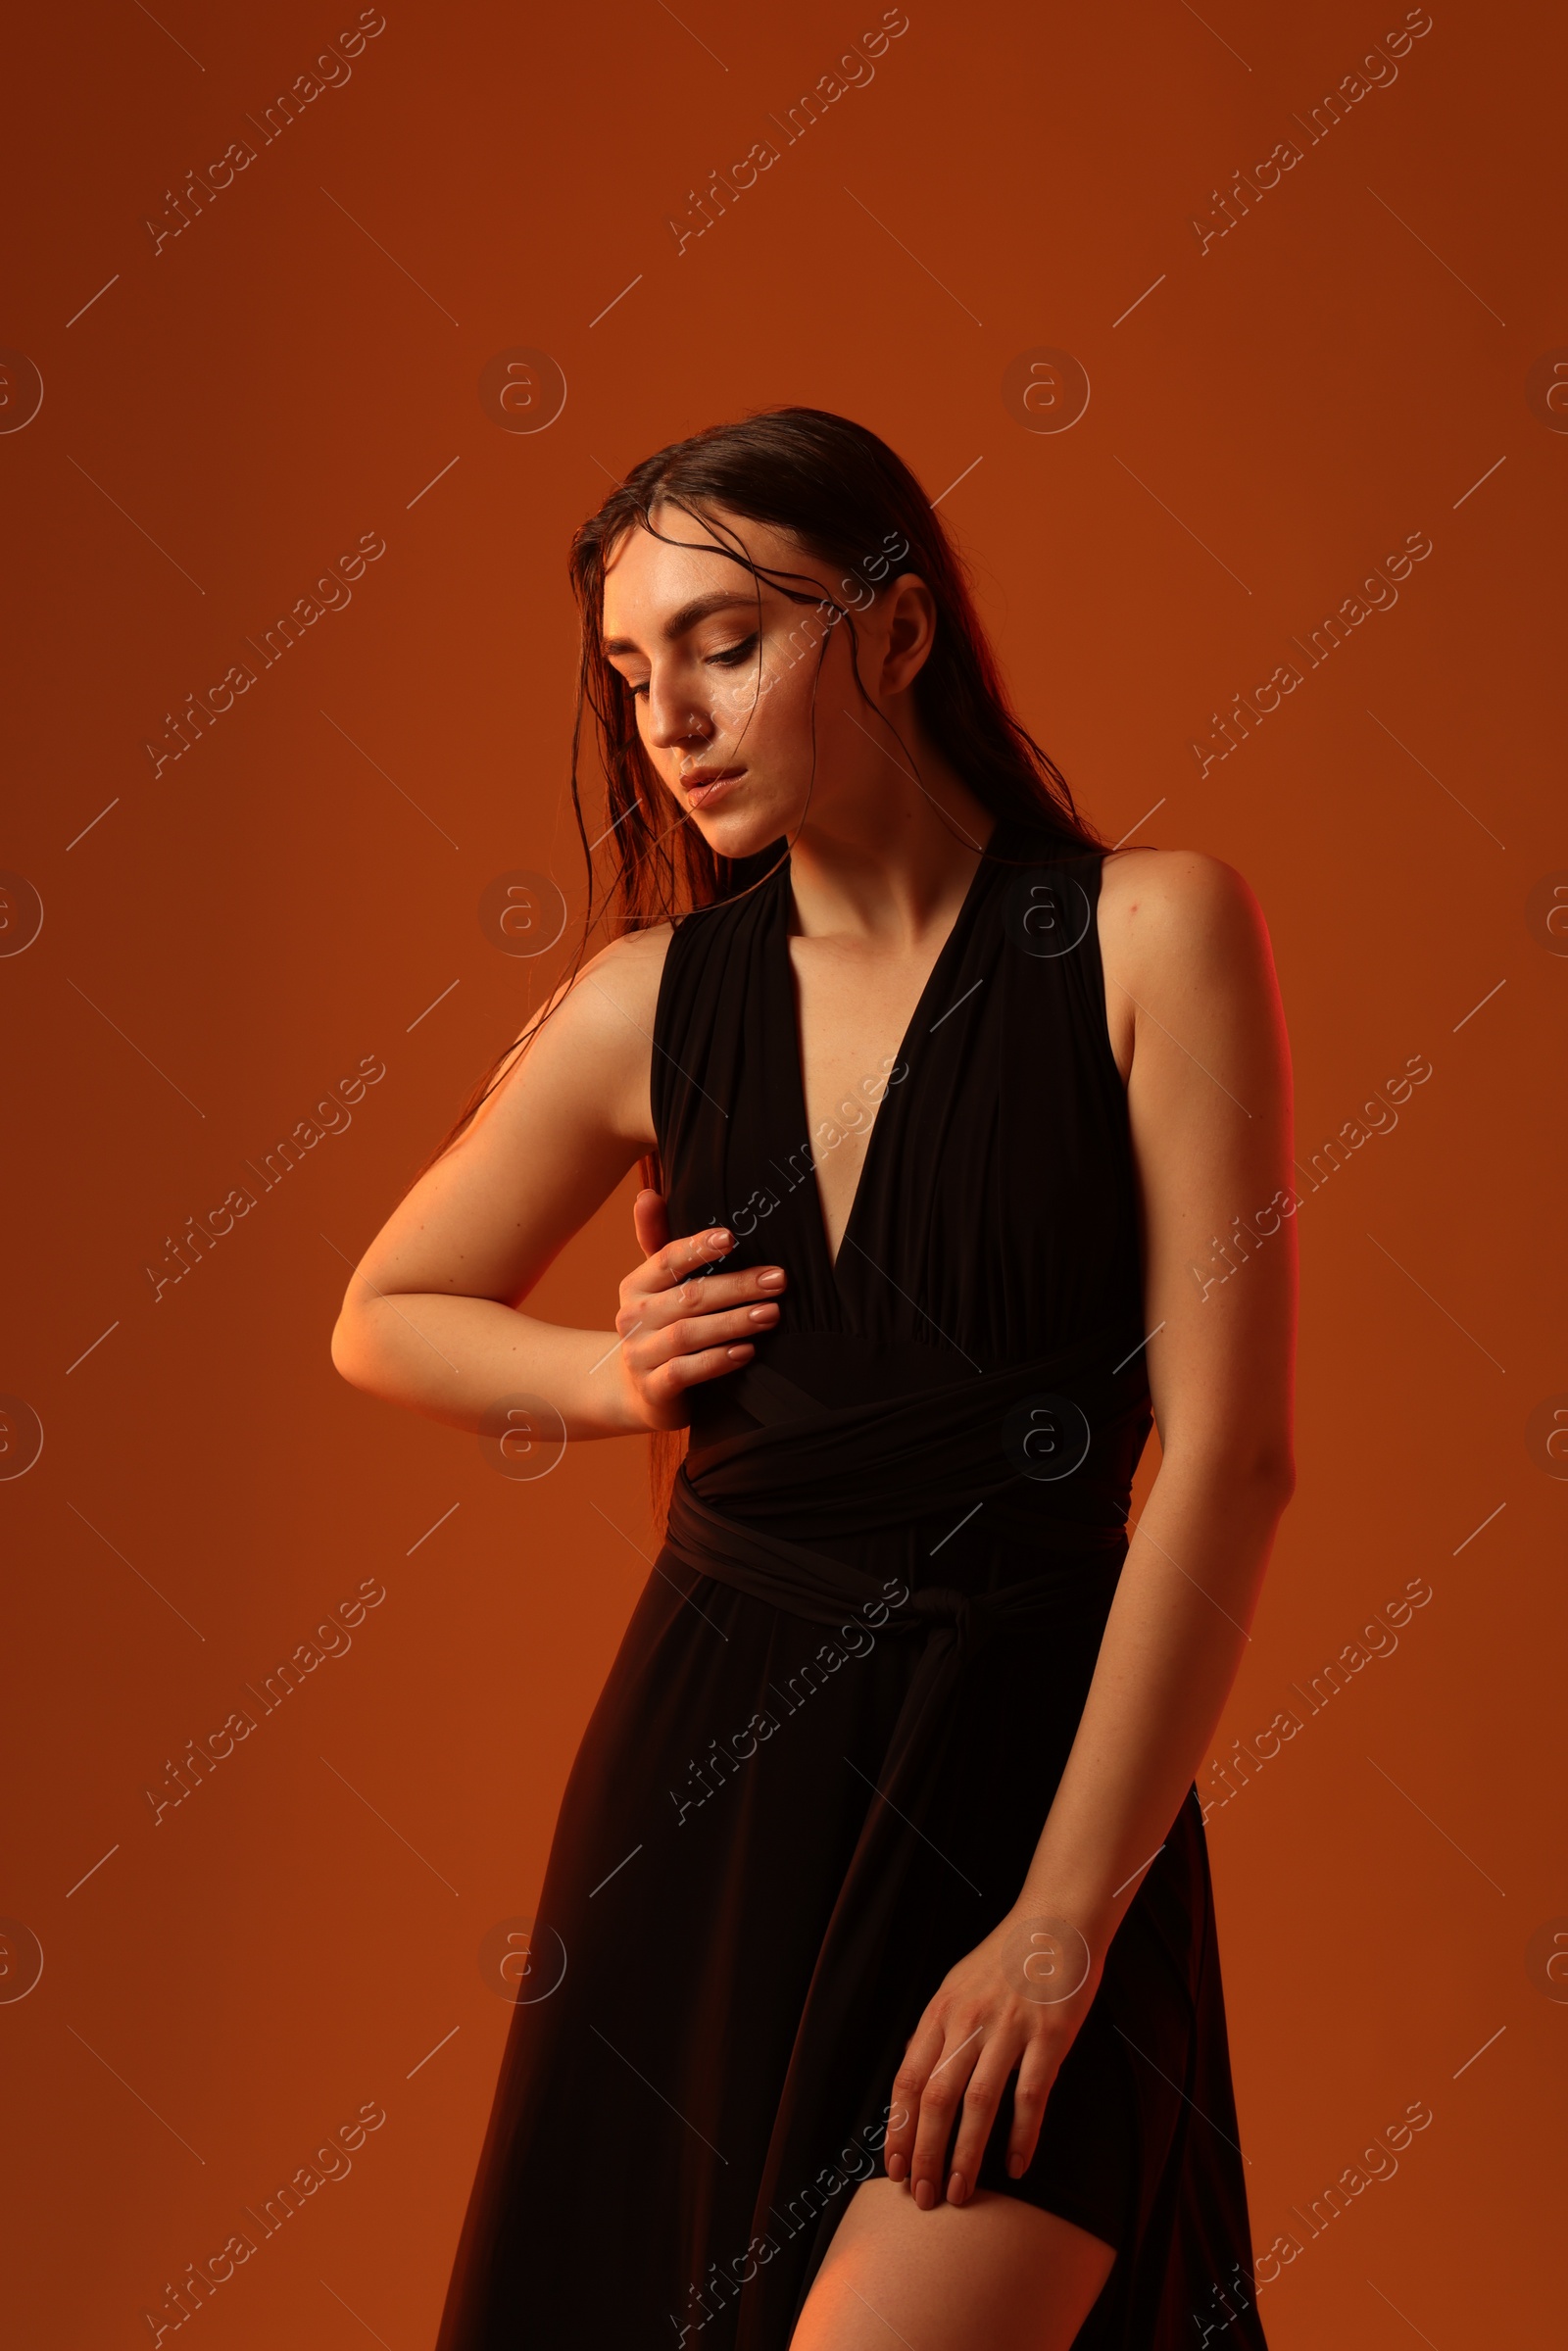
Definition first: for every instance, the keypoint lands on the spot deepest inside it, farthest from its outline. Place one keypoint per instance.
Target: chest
(853, 1014)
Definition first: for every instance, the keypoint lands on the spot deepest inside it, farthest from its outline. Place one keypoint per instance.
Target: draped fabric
(833, 1730)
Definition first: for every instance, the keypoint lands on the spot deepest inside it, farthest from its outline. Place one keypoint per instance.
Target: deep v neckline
(945, 954)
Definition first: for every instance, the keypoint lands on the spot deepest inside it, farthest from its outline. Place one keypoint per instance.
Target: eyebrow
(720, 599)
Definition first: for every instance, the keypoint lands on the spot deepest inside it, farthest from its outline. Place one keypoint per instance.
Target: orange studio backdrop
(1233, 346)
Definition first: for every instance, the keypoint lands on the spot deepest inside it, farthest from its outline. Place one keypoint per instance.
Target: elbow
(348, 1350)
(1270, 1469)
(1266, 1468)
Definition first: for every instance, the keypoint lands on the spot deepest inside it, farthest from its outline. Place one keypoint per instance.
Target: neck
(893, 864)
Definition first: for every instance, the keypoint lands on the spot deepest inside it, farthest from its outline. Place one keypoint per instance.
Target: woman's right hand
(676, 1331)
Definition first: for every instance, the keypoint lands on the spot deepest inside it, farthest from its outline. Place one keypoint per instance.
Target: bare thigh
(994, 2270)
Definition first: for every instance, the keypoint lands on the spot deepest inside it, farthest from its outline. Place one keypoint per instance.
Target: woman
(874, 1993)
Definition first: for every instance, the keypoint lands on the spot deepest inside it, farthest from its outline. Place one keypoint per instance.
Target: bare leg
(994, 2272)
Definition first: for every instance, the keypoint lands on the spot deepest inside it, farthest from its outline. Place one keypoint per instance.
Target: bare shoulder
(1169, 917)
(590, 1043)
(626, 974)
(615, 990)
(1180, 932)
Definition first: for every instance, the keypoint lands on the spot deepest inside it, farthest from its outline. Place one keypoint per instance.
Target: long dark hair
(846, 498)
(849, 501)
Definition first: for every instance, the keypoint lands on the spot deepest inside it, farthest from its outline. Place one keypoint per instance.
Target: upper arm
(546, 1149)
(1209, 1097)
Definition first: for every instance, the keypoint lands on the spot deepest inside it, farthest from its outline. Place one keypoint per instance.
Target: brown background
(223, 1988)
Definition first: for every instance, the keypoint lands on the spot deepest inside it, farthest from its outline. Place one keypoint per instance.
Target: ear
(912, 626)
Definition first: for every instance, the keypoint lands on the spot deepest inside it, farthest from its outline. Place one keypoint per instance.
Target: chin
(740, 832)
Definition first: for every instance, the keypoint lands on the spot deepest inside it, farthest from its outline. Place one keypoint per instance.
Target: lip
(702, 790)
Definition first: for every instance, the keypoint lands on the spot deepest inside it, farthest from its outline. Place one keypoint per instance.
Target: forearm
(1172, 1644)
(455, 1359)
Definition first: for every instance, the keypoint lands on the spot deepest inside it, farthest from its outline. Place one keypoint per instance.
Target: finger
(921, 2053)
(741, 1289)
(649, 1216)
(981, 2101)
(678, 1260)
(1029, 2095)
(666, 1326)
(667, 1380)
(940, 2101)
(700, 1293)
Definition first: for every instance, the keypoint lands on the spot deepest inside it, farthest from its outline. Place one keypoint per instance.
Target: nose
(674, 722)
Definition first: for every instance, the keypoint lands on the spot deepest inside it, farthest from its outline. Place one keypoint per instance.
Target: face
(728, 675)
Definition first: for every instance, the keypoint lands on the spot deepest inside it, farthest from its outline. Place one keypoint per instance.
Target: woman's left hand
(1013, 2004)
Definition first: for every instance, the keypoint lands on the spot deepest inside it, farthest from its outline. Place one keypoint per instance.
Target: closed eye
(733, 655)
(729, 656)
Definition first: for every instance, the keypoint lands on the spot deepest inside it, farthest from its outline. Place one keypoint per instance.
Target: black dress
(829, 1741)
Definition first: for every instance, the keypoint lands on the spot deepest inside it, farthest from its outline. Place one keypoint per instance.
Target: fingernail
(898, 2166)
(1015, 2167)
(720, 1240)
(955, 2188)
(762, 1313)
(925, 2195)
(772, 1280)
(735, 1353)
